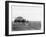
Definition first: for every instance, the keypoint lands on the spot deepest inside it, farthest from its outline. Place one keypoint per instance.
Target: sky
(31, 13)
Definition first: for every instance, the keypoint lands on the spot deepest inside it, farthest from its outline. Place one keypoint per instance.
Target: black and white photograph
(25, 17)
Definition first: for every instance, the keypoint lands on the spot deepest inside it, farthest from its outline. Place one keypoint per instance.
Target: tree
(20, 19)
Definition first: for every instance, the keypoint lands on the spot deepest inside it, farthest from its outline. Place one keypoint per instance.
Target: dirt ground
(33, 25)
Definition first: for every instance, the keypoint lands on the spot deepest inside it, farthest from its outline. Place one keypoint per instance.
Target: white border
(28, 31)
